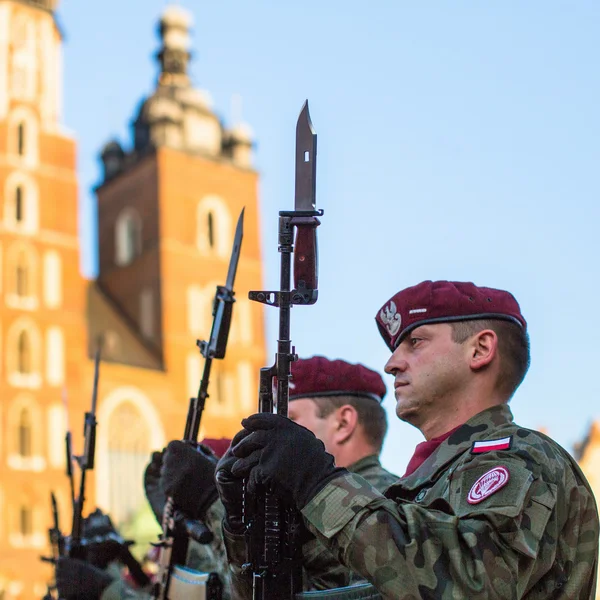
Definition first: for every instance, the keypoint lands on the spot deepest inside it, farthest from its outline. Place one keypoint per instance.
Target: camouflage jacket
(496, 512)
(207, 558)
(321, 569)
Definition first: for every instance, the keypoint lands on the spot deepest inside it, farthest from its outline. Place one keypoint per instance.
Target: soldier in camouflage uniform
(341, 403)
(487, 509)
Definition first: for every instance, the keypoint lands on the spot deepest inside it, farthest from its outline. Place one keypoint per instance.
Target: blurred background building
(168, 204)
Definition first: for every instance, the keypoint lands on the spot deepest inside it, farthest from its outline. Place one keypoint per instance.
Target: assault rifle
(80, 542)
(174, 579)
(273, 526)
(75, 547)
(57, 543)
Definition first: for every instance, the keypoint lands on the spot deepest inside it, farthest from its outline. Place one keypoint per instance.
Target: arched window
(25, 521)
(211, 229)
(52, 279)
(22, 276)
(214, 229)
(24, 353)
(55, 356)
(23, 134)
(128, 450)
(24, 434)
(128, 237)
(19, 204)
(21, 266)
(21, 139)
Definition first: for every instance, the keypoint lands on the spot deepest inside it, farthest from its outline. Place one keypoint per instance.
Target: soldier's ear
(483, 348)
(346, 423)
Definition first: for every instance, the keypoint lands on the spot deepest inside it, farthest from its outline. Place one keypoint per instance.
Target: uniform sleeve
(482, 543)
(212, 558)
(322, 570)
(241, 583)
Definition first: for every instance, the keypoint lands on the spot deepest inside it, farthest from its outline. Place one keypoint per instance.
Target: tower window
(128, 237)
(19, 204)
(22, 276)
(21, 139)
(24, 434)
(211, 230)
(25, 521)
(147, 313)
(24, 353)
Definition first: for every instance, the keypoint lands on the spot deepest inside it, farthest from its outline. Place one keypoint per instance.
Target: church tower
(168, 204)
(42, 295)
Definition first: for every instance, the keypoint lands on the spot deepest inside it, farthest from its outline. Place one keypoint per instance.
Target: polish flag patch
(488, 484)
(491, 445)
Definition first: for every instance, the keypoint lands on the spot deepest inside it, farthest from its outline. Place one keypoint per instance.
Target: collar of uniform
(476, 428)
(365, 463)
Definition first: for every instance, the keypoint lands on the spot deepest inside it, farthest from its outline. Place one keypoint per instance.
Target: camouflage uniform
(322, 569)
(206, 558)
(429, 537)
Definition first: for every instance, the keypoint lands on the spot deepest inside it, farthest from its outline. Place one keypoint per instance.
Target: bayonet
(306, 162)
(235, 252)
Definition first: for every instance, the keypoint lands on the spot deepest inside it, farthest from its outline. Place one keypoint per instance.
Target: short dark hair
(513, 348)
(371, 415)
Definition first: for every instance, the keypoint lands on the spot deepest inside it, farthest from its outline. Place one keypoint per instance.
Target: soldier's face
(431, 371)
(306, 413)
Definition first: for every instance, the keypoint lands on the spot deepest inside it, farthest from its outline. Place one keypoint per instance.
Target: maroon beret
(319, 376)
(218, 446)
(442, 302)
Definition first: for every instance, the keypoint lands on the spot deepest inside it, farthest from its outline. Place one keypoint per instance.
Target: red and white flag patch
(491, 445)
(488, 484)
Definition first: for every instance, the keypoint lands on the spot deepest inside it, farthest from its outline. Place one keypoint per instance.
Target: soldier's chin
(405, 412)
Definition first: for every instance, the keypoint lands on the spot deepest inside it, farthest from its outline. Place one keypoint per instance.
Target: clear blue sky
(457, 140)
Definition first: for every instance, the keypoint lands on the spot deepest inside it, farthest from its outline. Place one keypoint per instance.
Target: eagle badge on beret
(391, 318)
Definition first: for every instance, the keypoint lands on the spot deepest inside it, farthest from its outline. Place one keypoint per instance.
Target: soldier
(487, 509)
(341, 403)
(91, 579)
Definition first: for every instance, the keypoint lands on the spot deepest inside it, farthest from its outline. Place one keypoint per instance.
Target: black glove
(285, 457)
(154, 492)
(77, 579)
(231, 489)
(188, 476)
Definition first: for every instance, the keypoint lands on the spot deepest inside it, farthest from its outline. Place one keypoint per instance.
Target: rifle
(80, 542)
(68, 449)
(75, 547)
(273, 526)
(175, 580)
(57, 543)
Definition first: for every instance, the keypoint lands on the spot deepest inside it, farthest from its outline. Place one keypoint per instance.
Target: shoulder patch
(491, 445)
(489, 483)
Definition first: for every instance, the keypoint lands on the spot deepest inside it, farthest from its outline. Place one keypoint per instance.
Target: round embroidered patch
(487, 484)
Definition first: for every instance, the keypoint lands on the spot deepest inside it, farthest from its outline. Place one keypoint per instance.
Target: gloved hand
(188, 476)
(284, 456)
(231, 488)
(154, 492)
(77, 579)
